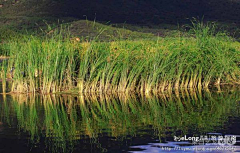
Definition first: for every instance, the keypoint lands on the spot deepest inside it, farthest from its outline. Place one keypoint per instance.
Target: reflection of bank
(62, 119)
(1, 126)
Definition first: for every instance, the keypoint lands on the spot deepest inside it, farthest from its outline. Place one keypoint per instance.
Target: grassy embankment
(57, 63)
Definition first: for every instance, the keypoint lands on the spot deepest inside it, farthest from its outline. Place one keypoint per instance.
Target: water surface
(117, 123)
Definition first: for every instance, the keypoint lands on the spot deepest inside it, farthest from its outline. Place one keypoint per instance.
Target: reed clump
(56, 63)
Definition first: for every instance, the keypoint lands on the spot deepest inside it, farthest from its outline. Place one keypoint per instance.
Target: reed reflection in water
(63, 120)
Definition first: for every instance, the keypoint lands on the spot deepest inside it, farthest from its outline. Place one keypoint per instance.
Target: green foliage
(57, 62)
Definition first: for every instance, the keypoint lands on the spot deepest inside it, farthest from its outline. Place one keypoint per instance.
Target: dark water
(120, 123)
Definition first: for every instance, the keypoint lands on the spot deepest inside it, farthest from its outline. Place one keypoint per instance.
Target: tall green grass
(59, 63)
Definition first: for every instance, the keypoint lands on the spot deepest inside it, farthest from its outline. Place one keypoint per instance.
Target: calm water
(123, 123)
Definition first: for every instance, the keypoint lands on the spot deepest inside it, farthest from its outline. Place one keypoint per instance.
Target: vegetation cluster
(56, 63)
